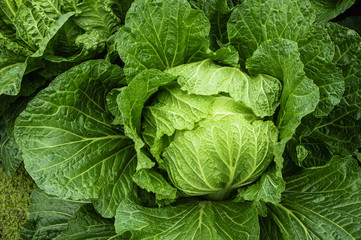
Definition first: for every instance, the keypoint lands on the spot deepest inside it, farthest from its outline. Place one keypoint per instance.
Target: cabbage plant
(192, 119)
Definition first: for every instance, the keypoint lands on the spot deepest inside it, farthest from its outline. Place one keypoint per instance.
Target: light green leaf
(131, 103)
(256, 21)
(48, 216)
(328, 9)
(172, 109)
(220, 156)
(87, 224)
(321, 203)
(267, 189)
(161, 34)
(193, 220)
(66, 135)
(260, 93)
(226, 55)
(153, 182)
(280, 58)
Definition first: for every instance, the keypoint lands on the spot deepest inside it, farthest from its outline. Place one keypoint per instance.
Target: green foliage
(176, 119)
(48, 216)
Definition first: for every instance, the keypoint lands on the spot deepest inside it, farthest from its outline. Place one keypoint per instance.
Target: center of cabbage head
(209, 145)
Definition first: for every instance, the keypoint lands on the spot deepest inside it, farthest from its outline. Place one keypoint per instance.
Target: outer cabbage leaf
(87, 224)
(161, 34)
(63, 46)
(256, 21)
(33, 22)
(10, 153)
(12, 66)
(30, 84)
(6, 30)
(96, 17)
(218, 13)
(116, 190)
(35, 27)
(321, 203)
(48, 216)
(48, 28)
(111, 45)
(316, 53)
(45, 40)
(84, 35)
(220, 156)
(98, 22)
(340, 131)
(120, 8)
(328, 9)
(280, 58)
(260, 93)
(193, 220)
(69, 146)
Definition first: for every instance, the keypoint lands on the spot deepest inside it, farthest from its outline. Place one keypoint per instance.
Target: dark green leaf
(10, 153)
(321, 203)
(48, 216)
(161, 34)
(87, 224)
(193, 220)
(218, 13)
(328, 9)
(69, 146)
(256, 21)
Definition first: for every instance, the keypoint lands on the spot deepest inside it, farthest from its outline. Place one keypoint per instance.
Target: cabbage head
(208, 130)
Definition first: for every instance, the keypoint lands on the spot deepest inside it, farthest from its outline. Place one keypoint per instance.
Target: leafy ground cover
(14, 202)
(183, 119)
